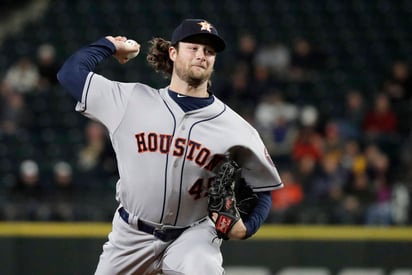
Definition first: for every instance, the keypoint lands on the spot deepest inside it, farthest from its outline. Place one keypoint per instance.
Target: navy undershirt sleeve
(72, 75)
(259, 213)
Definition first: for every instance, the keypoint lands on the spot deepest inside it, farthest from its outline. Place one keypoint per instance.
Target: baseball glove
(229, 197)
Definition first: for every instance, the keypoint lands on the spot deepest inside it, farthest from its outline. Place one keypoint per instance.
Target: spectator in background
(305, 61)
(28, 194)
(358, 188)
(353, 159)
(398, 83)
(359, 194)
(246, 51)
(308, 143)
(261, 83)
(273, 106)
(400, 204)
(327, 187)
(286, 203)
(276, 119)
(377, 162)
(47, 65)
(404, 170)
(398, 87)
(23, 76)
(348, 212)
(330, 179)
(28, 183)
(6, 89)
(351, 117)
(236, 92)
(333, 142)
(280, 139)
(380, 125)
(381, 119)
(274, 56)
(305, 171)
(378, 172)
(96, 160)
(379, 211)
(64, 192)
(14, 114)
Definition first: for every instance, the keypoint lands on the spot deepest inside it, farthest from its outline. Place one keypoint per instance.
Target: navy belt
(166, 235)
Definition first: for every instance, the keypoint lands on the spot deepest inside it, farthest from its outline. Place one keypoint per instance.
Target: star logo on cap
(205, 26)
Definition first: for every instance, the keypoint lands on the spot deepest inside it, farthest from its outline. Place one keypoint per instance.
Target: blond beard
(192, 78)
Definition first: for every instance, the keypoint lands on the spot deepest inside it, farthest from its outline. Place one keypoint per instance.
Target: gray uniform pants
(130, 251)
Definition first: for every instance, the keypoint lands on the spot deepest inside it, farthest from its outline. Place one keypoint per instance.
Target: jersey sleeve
(259, 214)
(98, 97)
(258, 169)
(72, 75)
(104, 100)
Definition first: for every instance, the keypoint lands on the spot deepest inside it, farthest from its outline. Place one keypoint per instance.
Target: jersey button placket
(174, 189)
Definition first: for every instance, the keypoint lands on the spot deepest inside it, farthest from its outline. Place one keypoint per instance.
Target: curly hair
(158, 56)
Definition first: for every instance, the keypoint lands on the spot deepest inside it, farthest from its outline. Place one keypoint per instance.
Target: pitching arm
(74, 71)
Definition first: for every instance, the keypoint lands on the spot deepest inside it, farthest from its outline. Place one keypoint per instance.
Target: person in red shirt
(286, 202)
(308, 143)
(380, 127)
(381, 119)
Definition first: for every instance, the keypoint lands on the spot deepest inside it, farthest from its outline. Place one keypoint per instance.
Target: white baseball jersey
(148, 129)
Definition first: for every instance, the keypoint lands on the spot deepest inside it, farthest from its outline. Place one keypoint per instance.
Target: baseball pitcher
(192, 171)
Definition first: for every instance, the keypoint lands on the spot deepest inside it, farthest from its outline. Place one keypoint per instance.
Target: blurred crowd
(345, 159)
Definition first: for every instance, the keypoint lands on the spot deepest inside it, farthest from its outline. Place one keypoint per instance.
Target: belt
(164, 234)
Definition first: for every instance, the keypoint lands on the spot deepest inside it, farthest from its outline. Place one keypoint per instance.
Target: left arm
(244, 229)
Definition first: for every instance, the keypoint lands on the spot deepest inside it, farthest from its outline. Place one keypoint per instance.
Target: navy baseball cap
(198, 30)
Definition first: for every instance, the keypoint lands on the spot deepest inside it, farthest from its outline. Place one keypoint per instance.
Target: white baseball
(131, 43)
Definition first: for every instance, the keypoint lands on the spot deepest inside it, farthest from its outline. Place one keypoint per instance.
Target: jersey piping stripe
(184, 158)
(87, 92)
(268, 186)
(167, 161)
